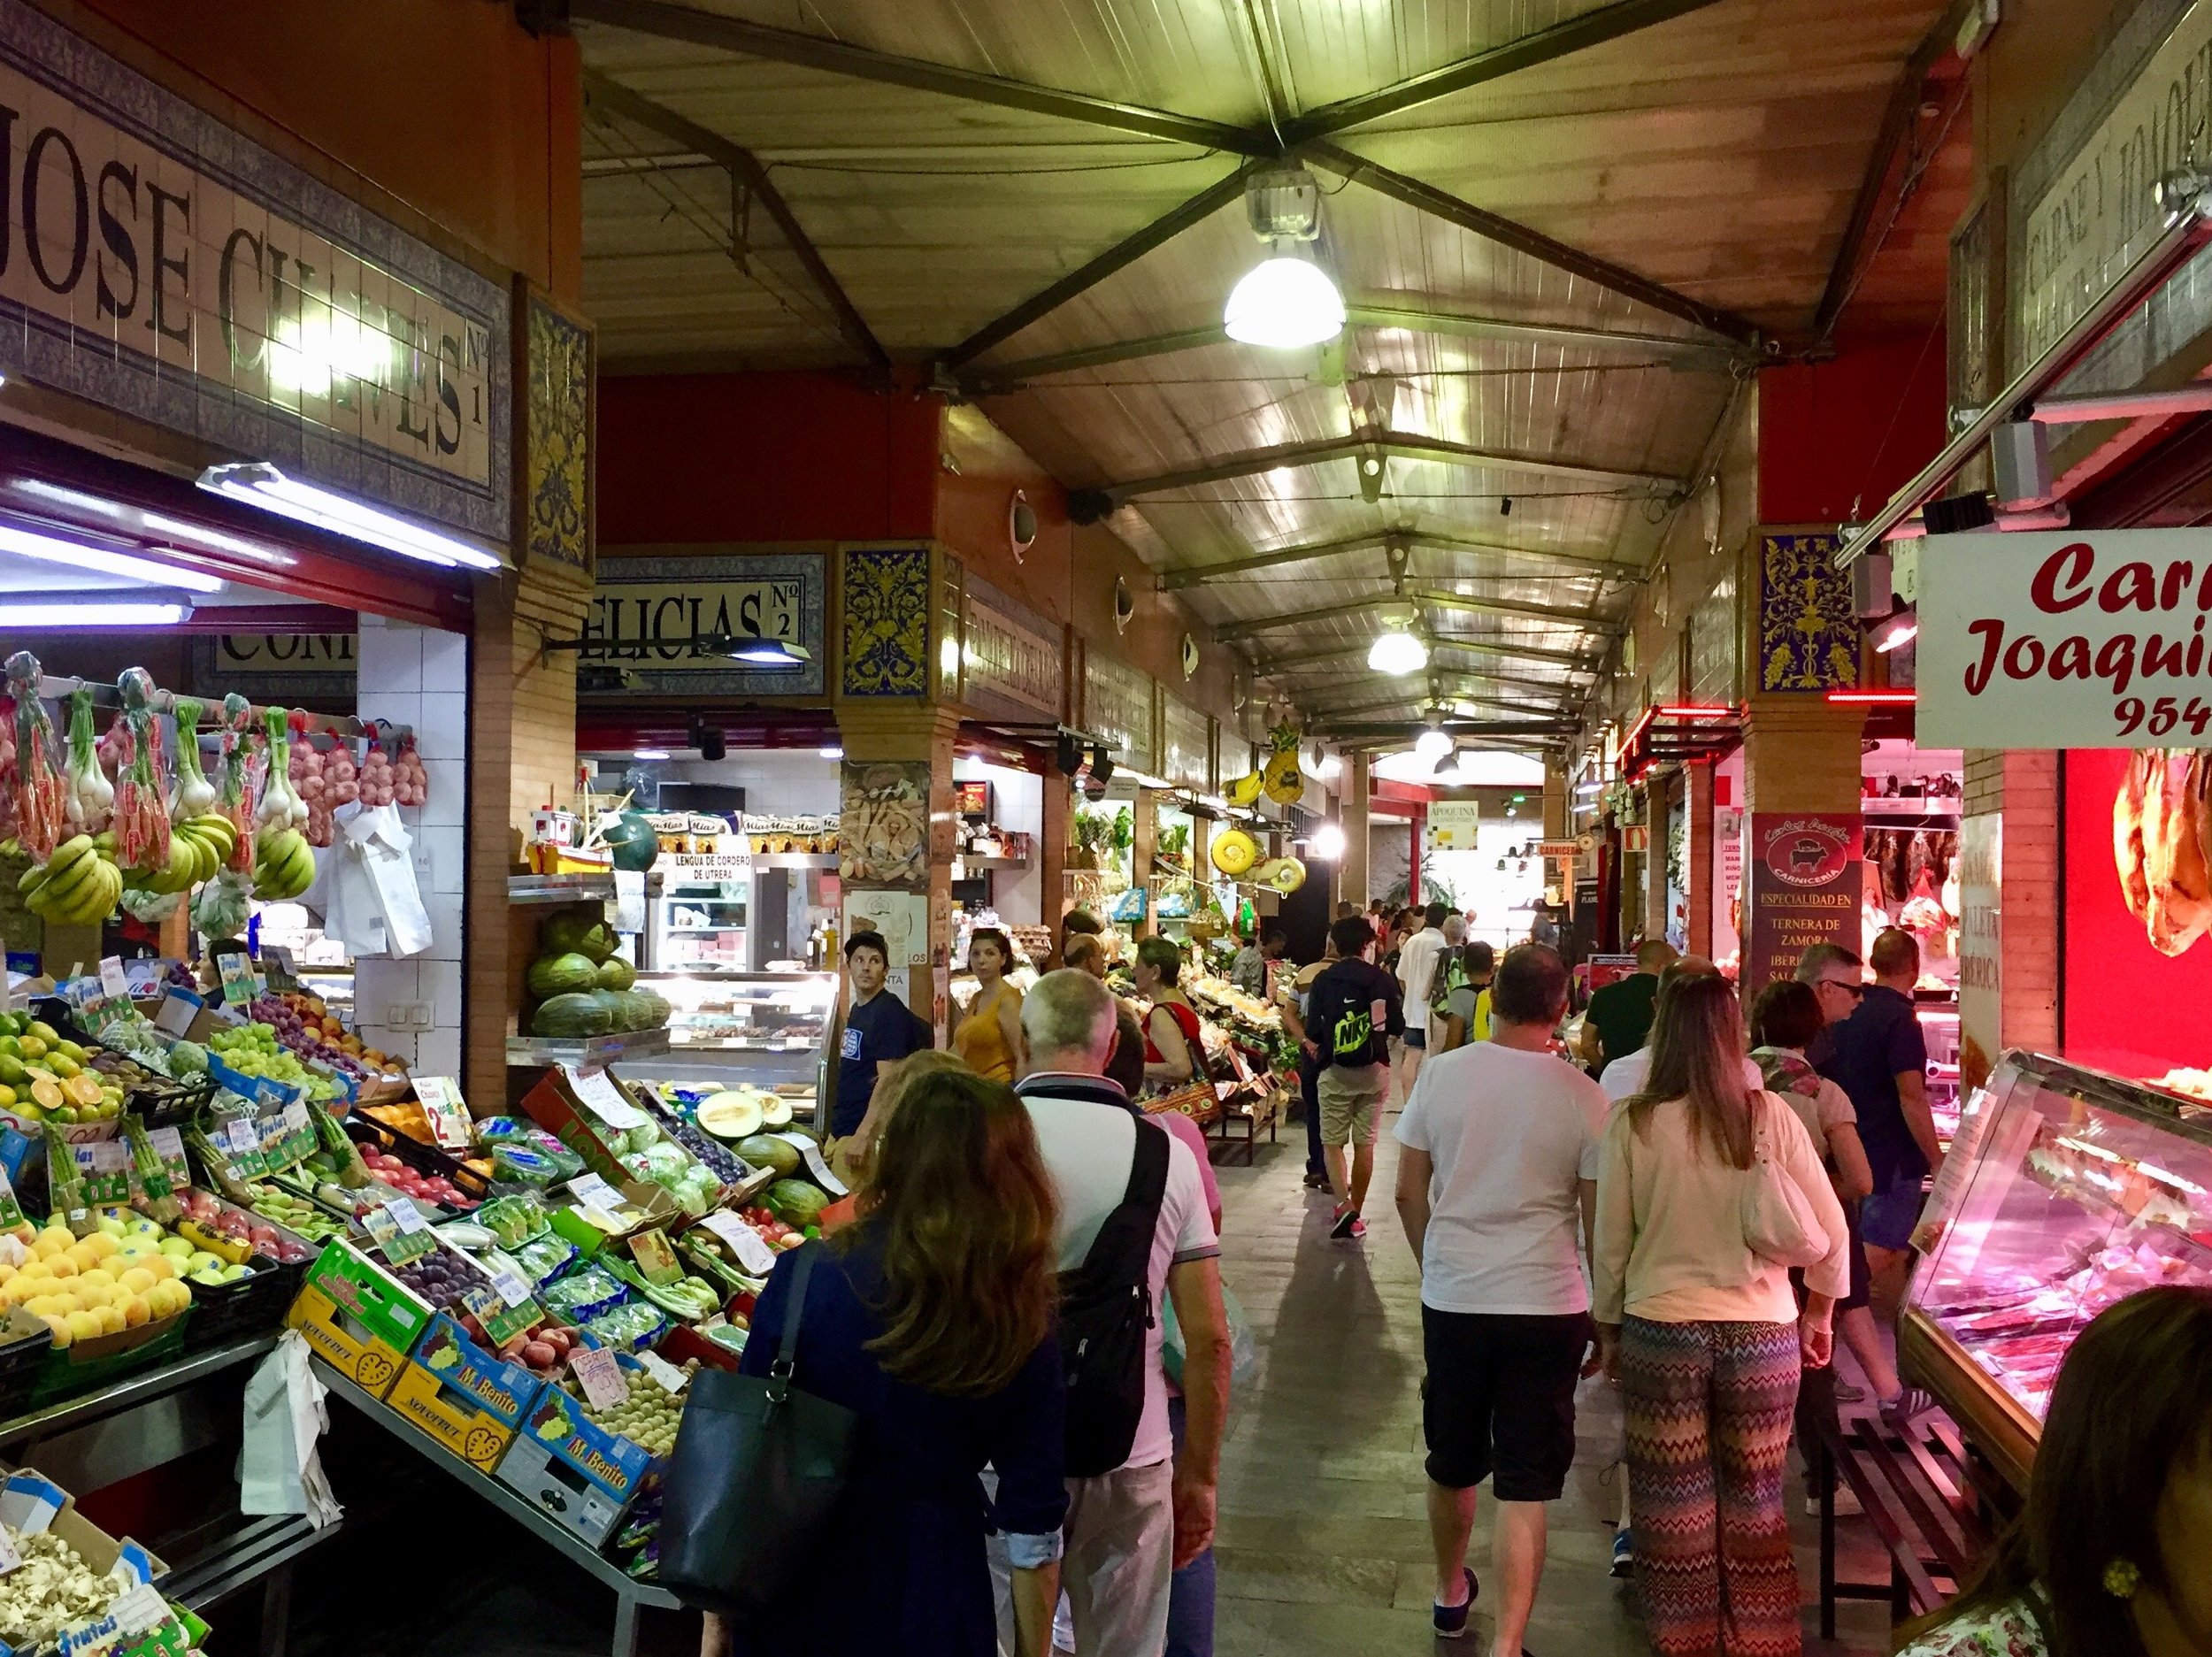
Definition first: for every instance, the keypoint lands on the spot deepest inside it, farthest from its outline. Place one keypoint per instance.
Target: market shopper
(1171, 1035)
(1129, 1529)
(1416, 968)
(1463, 1014)
(1704, 1334)
(1837, 977)
(1352, 1012)
(1499, 1164)
(877, 1026)
(895, 1079)
(1619, 1019)
(1880, 1057)
(2106, 1558)
(1125, 1066)
(1293, 1005)
(931, 1315)
(989, 1036)
(1248, 970)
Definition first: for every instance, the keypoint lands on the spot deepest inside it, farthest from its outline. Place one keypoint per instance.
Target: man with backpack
(1351, 1013)
(1135, 1235)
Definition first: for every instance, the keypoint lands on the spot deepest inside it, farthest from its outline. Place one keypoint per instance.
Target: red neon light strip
(1694, 713)
(1884, 698)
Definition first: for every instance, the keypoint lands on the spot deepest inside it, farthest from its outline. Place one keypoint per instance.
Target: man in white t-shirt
(1499, 1164)
(1417, 967)
(1128, 1530)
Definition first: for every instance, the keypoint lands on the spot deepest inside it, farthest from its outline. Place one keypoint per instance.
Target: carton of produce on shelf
(488, 1382)
(84, 1570)
(582, 1473)
(357, 1319)
(454, 1415)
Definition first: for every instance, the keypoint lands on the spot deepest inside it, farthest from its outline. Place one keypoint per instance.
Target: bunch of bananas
(208, 838)
(284, 864)
(77, 885)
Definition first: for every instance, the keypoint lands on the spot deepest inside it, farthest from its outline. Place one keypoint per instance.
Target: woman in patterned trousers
(1704, 1334)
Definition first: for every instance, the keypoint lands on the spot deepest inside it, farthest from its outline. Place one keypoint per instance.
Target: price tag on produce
(502, 1322)
(513, 1286)
(410, 1238)
(450, 1123)
(601, 1206)
(629, 899)
(237, 971)
(816, 1165)
(113, 985)
(139, 1611)
(672, 1379)
(600, 1375)
(597, 1090)
(654, 1258)
(295, 1118)
(10, 1557)
(754, 1258)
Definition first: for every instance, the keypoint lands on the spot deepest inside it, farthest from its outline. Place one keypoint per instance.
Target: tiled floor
(1322, 1543)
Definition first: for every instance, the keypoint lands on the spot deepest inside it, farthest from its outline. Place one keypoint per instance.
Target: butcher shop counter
(2065, 1190)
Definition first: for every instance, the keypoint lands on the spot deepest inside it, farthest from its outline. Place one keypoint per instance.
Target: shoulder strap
(1147, 1167)
(787, 1353)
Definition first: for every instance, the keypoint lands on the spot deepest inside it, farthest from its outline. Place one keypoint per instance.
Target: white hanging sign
(2098, 639)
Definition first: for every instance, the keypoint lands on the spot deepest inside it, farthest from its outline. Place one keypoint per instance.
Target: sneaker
(1345, 1221)
(1316, 1182)
(1844, 1393)
(1623, 1553)
(1847, 1505)
(1450, 1621)
(1898, 1413)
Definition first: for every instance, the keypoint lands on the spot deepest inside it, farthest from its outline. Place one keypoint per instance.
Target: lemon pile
(101, 1285)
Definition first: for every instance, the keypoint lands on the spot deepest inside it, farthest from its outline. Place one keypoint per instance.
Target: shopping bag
(1244, 1347)
(1600, 1423)
(387, 853)
(280, 1470)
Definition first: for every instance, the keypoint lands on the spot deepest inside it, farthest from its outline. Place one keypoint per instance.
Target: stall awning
(57, 487)
(1672, 733)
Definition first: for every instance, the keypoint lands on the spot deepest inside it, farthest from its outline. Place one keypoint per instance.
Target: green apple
(138, 1225)
(112, 1223)
(200, 1260)
(178, 1248)
(210, 1276)
(236, 1271)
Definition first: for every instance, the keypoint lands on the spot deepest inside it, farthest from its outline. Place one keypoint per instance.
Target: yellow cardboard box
(452, 1418)
(344, 1342)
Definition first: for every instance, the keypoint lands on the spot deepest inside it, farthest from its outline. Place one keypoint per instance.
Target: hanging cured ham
(2161, 850)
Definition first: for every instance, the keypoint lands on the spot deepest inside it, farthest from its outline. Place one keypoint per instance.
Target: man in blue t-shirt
(1878, 1056)
(876, 1027)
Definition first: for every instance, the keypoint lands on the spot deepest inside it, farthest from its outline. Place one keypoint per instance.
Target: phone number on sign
(2163, 716)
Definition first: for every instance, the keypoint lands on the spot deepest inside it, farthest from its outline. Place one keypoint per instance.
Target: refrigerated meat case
(2066, 1190)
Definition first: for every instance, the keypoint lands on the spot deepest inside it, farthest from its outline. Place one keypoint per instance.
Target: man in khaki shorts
(1352, 1011)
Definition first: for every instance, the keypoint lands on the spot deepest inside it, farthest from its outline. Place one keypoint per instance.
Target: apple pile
(542, 1349)
(772, 1231)
(409, 1182)
(212, 1213)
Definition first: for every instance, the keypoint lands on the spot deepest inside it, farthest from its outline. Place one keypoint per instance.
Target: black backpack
(1105, 1310)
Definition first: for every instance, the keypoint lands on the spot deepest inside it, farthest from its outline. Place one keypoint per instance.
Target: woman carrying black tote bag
(929, 1319)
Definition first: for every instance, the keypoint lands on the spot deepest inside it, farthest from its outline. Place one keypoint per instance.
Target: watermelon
(597, 941)
(562, 975)
(617, 1006)
(796, 1203)
(631, 839)
(562, 932)
(615, 973)
(641, 1009)
(577, 1014)
(766, 1150)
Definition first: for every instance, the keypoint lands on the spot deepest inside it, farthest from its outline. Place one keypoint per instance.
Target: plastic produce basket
(65, 1374)
(425, 1159)
(21, 1362)
(253, 1305)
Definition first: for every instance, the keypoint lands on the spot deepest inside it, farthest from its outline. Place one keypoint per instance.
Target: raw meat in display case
(2071, 1190)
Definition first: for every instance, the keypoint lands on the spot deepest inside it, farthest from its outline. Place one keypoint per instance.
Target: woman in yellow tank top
(989, 1037)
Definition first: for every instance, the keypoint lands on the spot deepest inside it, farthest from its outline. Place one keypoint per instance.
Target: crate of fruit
(467, 1180)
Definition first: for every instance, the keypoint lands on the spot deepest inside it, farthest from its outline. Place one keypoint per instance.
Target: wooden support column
(1144, 838)
(1356, 853)
(1801, 761)
(1697, 778)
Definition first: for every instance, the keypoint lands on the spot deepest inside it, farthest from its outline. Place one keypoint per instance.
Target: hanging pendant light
(1287, 300)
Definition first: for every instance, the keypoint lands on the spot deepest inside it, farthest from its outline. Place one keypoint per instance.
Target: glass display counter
(767, 1029)
(2065, 1191)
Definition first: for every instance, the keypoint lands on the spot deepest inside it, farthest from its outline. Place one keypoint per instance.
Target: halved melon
(732, 1115)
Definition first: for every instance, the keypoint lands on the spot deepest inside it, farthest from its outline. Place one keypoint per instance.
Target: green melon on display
(615, 973)
(796, 1203)
(562, 975)
(641, 1009)
(617, 1005)
(631, 839)
(572, 1015)
(598, 942)
(562, 932)
(766, 1150)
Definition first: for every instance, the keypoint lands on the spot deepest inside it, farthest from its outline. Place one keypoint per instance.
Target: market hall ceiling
(1563, 232)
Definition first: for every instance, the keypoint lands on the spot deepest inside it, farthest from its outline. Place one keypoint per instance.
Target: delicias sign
(1804, 889)
(2094, 639)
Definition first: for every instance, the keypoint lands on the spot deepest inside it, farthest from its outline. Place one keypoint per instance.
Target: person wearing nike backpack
(1352, 1012)
(1135, 1235)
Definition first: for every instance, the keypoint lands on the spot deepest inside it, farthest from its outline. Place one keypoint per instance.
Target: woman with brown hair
(1704, 1333)
(2107, 1559)
(1171, 1023)
(931, 1317)
(989, 1036)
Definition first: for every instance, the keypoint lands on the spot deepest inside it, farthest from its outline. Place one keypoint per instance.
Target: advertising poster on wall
(1802, 882)
(1727, 887)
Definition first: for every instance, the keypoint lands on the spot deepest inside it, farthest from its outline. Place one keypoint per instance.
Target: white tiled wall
(419, 677)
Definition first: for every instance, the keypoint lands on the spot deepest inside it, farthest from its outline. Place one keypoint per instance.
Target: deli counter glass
(764, 1028)
(2066, 1190)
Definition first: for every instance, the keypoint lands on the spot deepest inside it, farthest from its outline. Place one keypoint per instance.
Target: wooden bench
(1926, 1498)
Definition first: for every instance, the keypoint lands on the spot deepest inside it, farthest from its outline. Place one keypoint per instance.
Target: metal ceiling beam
(1123, 253)
(1898, 120)
(1431, 696)
(1577, 33)
(743, 165)
(1394, 445)
(1587, 620)
(1500, 731)
(1443, 205)
(991, 378)
(1326, 662)
(1206, 575)
(1572, 660)
(812, 51)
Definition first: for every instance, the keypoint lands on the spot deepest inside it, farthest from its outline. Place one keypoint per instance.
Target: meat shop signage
(2096, 640)
(155, 261)
(1803, 888)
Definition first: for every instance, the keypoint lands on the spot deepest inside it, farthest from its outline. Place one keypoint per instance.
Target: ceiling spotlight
(1398, 649)
(708, 739)
(772, 654)
(1505, 506)
(1101, 765)
(648, 753)
(1067, 755)
(1287, 300)
(1327, 843)
(1895, 631)
(1432, 745)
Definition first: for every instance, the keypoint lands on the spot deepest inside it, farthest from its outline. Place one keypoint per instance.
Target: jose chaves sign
(2075, 640)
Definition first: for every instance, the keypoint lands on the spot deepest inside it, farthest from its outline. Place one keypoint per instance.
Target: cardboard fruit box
(462, 1365)
(449, 1416)
(30, 1503)
(580, 1474)
(357, 1319)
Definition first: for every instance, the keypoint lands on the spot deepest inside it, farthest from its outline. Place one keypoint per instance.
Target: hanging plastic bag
(388, 853)
(280, 1470)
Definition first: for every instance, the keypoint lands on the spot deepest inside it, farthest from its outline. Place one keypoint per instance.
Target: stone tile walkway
(1323, 1540)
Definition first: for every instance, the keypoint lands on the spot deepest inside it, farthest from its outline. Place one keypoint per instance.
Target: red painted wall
(762, 457)
(1836, 439)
